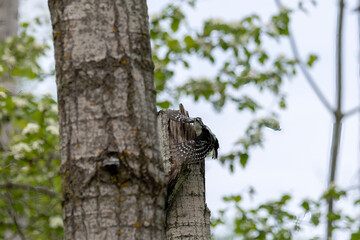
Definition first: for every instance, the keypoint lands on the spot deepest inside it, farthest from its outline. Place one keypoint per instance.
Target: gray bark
(8, 28)
(113, 180)
(187, 217)
(8, 18)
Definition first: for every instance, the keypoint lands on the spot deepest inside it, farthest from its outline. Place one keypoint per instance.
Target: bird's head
(199, 121)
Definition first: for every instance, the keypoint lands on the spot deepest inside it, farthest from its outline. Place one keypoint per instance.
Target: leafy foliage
(19, 57)
(274, 220)
(29, 180)
(269, 220)
(246, 62)
(253, 137)
(30, 185)
(235, 50)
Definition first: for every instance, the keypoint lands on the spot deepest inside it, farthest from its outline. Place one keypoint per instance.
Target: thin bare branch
(336, 137)
(339, 57)
(30, 188)
(337, 113)
(352, 188)
(304, 70)
(352, 111)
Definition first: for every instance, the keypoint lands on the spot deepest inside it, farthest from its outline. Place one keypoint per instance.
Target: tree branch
(339, 57)
(337, 113)
(304, 70)
(338, 116)
(10, 202)
(352, 111)
(30, 188)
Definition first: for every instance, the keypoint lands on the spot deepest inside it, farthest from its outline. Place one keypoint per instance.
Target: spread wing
(190, 151)
(178, 117)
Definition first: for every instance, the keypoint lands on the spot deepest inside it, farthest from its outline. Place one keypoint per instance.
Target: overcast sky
(294, 160)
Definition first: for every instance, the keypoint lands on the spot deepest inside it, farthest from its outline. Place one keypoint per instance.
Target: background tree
(29, 184)
(8, 28)
(8, 19)
(29, 158)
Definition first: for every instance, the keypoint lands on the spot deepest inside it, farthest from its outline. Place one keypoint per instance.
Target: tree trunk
(187, 216)
(8, 28)
(8, 18)
(113, 180)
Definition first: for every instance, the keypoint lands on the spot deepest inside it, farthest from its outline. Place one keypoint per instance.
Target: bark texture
(8, 28)
(187, 217)
(113, 180)
(8, 18)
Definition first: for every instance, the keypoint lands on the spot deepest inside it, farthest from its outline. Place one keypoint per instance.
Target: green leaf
(247, 103)
(231, 167)
(37, 21)
(224, 45)
(244, 159)
(305, 205)
(263, 57)
(175, 24)
(163, 105)
(189, 41)
(333, 216)
(282, 103)
(24, 72)
(186, 64)
(236, 198)
(174, 45)
(285, 198)
(312, 58)
(355, 236)
(251, 191)
(25, 25)
(315, 218)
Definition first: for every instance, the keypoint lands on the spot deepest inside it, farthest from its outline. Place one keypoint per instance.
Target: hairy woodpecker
(189, 152)
(197, 149)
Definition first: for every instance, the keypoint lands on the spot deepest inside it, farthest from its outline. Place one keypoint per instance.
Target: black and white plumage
(188, 152)
(177, 116)
(197, 149)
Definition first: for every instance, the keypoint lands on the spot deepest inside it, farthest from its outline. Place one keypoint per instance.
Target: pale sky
(294, 160)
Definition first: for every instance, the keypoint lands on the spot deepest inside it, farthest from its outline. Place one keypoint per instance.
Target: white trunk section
(8, 28)
(188, 217)
(8, 18)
